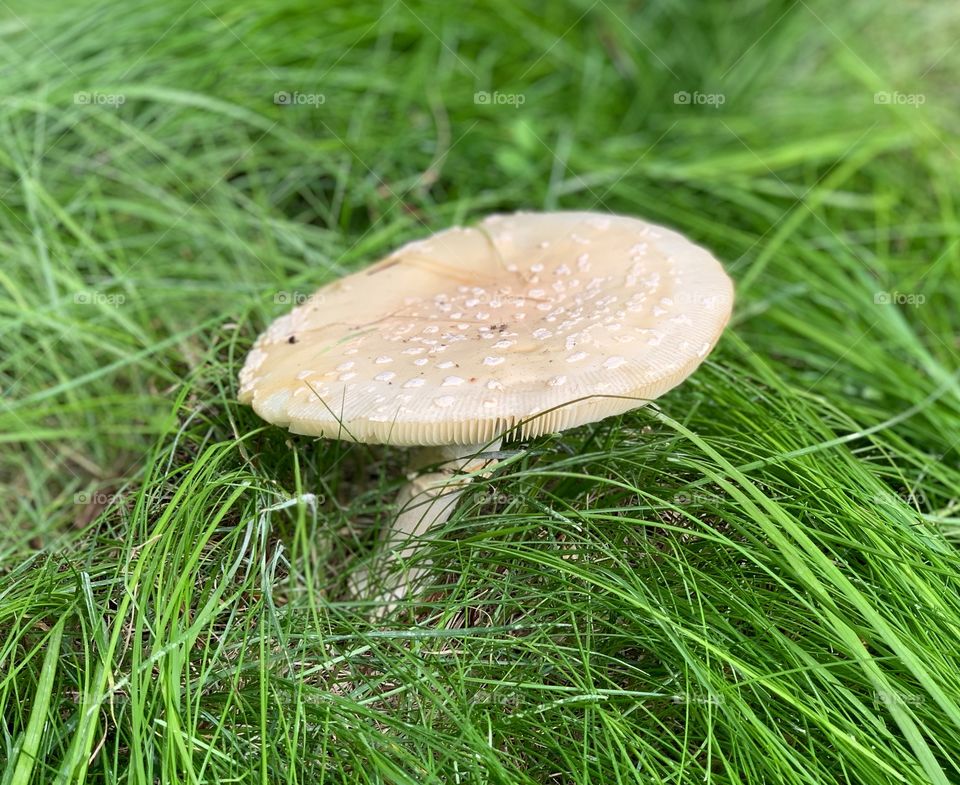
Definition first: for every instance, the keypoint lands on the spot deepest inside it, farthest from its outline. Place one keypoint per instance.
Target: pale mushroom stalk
(425, 502)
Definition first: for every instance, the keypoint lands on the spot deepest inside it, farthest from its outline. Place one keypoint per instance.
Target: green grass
(757, 581)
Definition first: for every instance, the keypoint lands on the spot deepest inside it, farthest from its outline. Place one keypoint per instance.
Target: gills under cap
(527, 323)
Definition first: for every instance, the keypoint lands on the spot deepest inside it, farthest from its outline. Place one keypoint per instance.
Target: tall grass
(754, 581)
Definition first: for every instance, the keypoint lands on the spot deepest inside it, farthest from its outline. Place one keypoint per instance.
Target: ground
(756, 581)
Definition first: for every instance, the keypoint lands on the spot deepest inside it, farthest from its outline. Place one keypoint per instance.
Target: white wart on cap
(527, 323)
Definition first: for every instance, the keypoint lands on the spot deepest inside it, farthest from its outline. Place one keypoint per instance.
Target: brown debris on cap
(528, 323)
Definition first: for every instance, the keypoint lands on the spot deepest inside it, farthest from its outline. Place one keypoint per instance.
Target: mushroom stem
(426, 501)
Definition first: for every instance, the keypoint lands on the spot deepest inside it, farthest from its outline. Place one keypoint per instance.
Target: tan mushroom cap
(529, 322)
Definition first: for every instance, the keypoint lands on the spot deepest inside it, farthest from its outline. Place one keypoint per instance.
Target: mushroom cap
(527, 323)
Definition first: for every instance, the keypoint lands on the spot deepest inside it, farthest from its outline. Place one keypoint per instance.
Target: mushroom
(526, 324)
